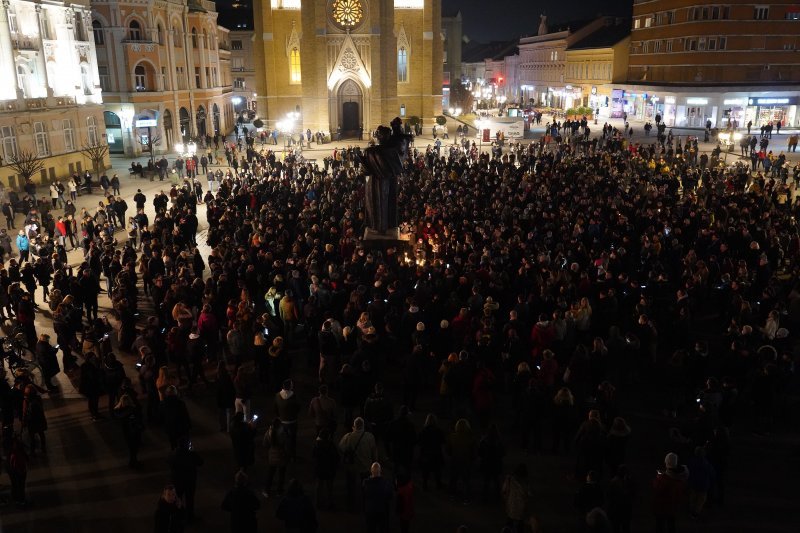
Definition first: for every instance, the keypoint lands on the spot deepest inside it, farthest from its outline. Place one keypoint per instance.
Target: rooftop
(608, 36)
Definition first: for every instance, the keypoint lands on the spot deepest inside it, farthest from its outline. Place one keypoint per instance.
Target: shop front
(769, 109)
(695, 112)
(733, 113)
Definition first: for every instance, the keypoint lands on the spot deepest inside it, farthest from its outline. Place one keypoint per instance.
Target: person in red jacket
(669, 493)
(542, 336)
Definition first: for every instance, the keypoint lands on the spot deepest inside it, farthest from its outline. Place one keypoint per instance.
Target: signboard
(146, 123)
(773, 101)
(485, 135)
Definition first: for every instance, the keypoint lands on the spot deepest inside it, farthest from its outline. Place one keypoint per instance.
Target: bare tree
(152, 140)
(26, 164)
(96, 153)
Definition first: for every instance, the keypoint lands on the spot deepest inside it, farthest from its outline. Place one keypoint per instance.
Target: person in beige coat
(358, 451)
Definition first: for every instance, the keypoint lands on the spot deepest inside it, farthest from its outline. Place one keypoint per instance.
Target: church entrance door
(349, 108)
(350, 119)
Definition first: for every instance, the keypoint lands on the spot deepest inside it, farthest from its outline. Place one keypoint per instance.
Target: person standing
(242, 435)
(669, 493)
(378, 495)
(275, 443)
(619, 500)
(326, 463)
(17, 468)
(287, 409)
(515, 496)
(170, 516)
(358, 451)
(297, 511)
(323, 409)
(34, 419)
(701, 479)
(92, 384)
(405, 501)
(184, 462)
(129, 414)
(242, 503)
(23, 245)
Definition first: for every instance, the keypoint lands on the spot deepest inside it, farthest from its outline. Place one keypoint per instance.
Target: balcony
(24, 42)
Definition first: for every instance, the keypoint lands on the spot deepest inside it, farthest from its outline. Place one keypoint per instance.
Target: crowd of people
(574, 283)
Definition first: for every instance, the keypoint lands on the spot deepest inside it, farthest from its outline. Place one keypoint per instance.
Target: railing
(24, 43)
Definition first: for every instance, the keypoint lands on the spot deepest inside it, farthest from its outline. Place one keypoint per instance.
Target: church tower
(347, 64)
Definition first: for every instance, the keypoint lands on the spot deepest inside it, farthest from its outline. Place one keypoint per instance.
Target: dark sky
(488, 20)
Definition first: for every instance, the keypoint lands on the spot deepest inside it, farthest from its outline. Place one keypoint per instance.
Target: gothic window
(402, 65)
(294, 65)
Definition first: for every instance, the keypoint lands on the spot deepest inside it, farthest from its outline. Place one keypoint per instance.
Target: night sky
(488, 20)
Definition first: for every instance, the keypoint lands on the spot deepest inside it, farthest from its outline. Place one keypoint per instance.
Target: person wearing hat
(669, 493)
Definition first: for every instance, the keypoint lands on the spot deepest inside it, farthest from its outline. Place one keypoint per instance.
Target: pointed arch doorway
(350, 108)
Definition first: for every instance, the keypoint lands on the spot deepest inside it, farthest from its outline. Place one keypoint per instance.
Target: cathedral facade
(343, 65)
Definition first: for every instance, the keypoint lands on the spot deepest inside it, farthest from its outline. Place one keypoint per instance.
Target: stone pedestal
(392, 238)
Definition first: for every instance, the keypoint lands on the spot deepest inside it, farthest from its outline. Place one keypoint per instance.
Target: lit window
(636, 24)
(294, 65)
(42, 141)
(69, 135)
(140, 78)
(91, 131)
(236, 44)
(648, 21)
(9, 142)
(402, 65)
(793, 15)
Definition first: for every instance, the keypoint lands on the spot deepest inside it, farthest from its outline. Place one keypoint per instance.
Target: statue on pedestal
(384, 164)
(543, 30)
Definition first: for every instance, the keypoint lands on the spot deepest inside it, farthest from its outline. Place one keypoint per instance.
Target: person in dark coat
(402, 438)
(33, 418)
(91, 385)
(170, 516)
(491, 452)
(242, 503)
(297, 511)
(242, 437)
(619, 500)
(176, 417)
(326, 463)
(46, 357)
(431, 457)
(129, 414)
(378, 495)
(183, 464)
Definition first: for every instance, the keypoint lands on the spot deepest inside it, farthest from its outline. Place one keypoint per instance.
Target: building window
(646, 47)
(648, 21)
(105, 79)
(42, 142)
(236, 44)
(726, 12)
(134, 31)
(99, 36)
(13, 27)
(176, 38)
(160, 34)
(701, 44)
(789, 46)
(197, 77)
(45, 25)
(164, 82)
(712, 43)
(721, 43)
(761, 12)
(194, 37)
(238, 83)
(793, 15)
(705, 13)
(691, 44)
(9, 141)
(140, 78)
(69, 135)
(91, 131)
(669, 45)
(294, 65)
(657, 46)
(79, 31)
(402, 65)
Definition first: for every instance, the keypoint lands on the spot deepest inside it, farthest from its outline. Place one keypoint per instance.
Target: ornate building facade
(347, 64)
(166, 61)
(50, 104)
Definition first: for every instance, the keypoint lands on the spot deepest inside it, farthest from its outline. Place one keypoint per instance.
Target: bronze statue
(384, 164)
